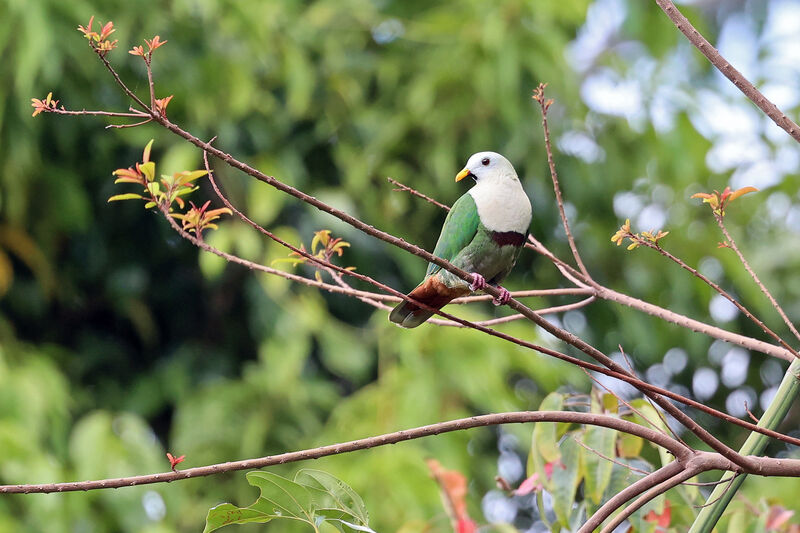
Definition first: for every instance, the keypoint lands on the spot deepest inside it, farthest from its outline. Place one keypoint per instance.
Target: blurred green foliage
(120, 342)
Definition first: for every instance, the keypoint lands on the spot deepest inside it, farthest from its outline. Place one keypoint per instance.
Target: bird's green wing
(459, 228)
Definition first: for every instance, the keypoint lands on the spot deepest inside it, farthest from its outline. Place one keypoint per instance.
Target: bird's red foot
(504, 297)
(478, 282)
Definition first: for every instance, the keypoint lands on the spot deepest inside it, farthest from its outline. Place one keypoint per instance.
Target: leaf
(126, 196)
(544, 444)
(342, 494)
(148, 168)
(610, 403)
(128, 180)
(629, 445)
(189, 176)
(316, 498)
(545, 437)
(146, 153)
(566, 476)
(598, 469)
(653, 419)
(740, 192)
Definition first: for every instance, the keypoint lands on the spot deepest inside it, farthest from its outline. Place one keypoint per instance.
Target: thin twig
(775, 305)
(611, 459)
(544, 104)
(502, 320)
(729, 481)
(416, 193)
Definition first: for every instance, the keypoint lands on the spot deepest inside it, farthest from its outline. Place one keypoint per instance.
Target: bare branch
(648, 496)
(753, 275)
(544, 105)
(361, 444)
(736, 77)
(416, 193)
(638, 487)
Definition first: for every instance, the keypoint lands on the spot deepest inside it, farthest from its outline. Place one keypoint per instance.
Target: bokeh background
(119, 341)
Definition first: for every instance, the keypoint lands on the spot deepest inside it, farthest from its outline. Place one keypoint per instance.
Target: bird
(484, 233)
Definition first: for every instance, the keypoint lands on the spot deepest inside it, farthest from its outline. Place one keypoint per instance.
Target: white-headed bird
(483, 234)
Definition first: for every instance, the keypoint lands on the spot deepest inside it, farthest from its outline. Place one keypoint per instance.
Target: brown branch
(544, 104)
(361, 444)
(736, 77)
(416, 193)
(62, 111)
(504, 319)
(638, 487)
(648, 496)
(753, 275)
(692, 324)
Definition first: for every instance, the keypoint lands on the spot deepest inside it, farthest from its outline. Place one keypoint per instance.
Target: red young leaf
(663, 519)
(173, 461)
(453, 486)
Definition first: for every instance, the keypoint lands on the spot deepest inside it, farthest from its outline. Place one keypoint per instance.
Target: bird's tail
(431, 292)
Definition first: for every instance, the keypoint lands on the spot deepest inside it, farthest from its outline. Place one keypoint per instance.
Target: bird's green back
(459, 229)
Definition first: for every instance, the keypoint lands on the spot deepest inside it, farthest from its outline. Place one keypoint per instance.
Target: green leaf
(566, 476)
(544, 444)
(149, 170)
(545, 436)
(316, 498)
(629, 445)
(227, 513)
(126, 196)
(128, 180)
(610, 403)
(598, 470)
(654, 421)
(188, 176)
(146, 153)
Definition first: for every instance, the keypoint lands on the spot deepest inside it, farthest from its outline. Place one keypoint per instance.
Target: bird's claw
(478, 282)
(504, 297)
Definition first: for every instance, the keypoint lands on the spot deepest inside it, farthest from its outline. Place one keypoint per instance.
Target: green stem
(788, 391)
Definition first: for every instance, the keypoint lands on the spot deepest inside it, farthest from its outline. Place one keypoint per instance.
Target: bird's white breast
(502, 205)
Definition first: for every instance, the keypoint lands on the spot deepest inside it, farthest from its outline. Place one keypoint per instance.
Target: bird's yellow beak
(463, 174)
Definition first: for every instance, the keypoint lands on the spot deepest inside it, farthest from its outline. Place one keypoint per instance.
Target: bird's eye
(485, 161)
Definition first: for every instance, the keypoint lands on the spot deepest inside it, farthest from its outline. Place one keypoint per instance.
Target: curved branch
(363, 444)
(648, 496)
(651, 480)
(755, 277)
(736, 77)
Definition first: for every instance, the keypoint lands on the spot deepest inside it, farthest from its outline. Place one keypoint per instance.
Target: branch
(638, 487)
(414, 192)
(363, 444)
(753, 275)
(544, 104)
(648, 496)
(736, 77)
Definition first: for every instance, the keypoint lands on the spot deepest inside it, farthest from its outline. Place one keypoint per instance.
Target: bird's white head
(486, 166)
